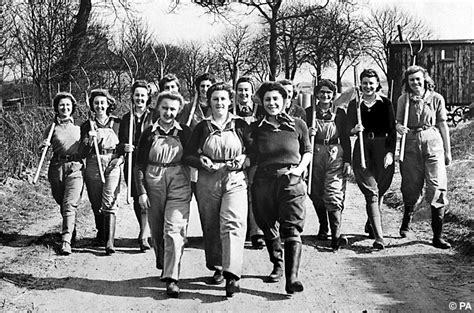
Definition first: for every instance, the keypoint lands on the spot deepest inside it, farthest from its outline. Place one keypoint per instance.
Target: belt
(373, 135)
(327, 142)
(221, 161)
(275, 167)
(417, 129)
(65, 157)
(171, 164)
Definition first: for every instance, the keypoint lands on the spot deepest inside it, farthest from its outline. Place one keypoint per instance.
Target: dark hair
(62, 95)
(217, 87)
(287, 82)
(172, 95)
(141, 84)
(429, 83)
(370, 73)
(245, 79)
(270, 86)
(325, 83)
(168, 78)
(104, 93)
(201, 78)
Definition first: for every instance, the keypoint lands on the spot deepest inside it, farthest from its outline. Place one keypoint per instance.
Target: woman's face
(140, 97)
(171, 86)
(273, 102)
(65, 108)
(325, 95)
(244, 92)
(289, 92)
(100, 105)
(220, 103)
(203, 87)
(416, 82)
(168, 109)
(369, 86)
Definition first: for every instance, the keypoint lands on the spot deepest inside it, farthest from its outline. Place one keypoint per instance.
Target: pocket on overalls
(433, 142)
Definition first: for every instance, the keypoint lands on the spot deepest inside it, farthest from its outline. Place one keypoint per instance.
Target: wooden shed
(449, 62)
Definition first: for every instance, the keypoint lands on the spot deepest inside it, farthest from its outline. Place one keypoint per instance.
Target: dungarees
(328, 182)
(103, 196)
(169, 193)
(222, 202)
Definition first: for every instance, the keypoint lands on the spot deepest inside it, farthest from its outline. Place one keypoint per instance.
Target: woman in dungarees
(331, 162)
(103, 196)
(217, 149)
(65, 168)
(379, 134)
(142, 119)
(282, 152)
(427, 150)
(164, 188)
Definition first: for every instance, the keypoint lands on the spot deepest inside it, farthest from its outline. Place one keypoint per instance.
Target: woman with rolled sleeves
(164, 188)
(282, 151)
(65, 168)
(427, 150)
(142, 119)
(331, 162)
(217, 149)
(378, 129)
(103, 196)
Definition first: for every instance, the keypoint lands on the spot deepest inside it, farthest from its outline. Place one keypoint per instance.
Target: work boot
(217, 278)
(337, 240)
(437, 215)
(407, 216)
(99, 225)
(275, 251)
(232, 284)
(375, 221)
(68, 229)
(368, 229)
(109, 233)
(65, 248)
(322, 214)
(292, 265)
(257, 242)
(172, 289)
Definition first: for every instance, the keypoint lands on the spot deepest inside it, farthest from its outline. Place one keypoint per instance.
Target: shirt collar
(156, 125)
(283, 118)
(230, 117)
(69, 119)
(377, 98)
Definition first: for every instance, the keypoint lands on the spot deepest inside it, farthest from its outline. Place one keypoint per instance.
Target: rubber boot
(373, 212)
(337, 239)
(66, 234)
(407, 216)
(437, 215)
(322, 214)
(292, 265)
(109, 233)
(99, 225)
(275, 251)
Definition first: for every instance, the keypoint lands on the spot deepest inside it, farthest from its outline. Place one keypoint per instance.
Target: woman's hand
(44, 143)
(357, 129)
(128, 148)
(237, 163)
(347, 169)
(296, 171)
(402, 130)
(447, 158)
(312, 131)
(207, 164)
(116, 162)
(144, 202)
(388, 160)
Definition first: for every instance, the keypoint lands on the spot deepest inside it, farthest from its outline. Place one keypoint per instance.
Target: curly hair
(371, 73)
(203, 77)
(217, 87)
(172, 95)
(325, 83)
(104, 93)
(63, 95)
(141, 83)
(246, 79)
(168, 78)
(428, 84)
(287, 82)
(270, 86)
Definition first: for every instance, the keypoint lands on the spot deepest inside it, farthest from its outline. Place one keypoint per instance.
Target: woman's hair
(201, 78)
(325, 83)
(168, 78)
(245, 79)
(62, 95)
(287, 82)
(429, 83)
(141, 84)
(270, 86)
(370, 73)
(172, 95)
(219, 86)
(104, 93)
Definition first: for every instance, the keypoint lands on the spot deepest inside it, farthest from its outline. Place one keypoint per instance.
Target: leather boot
(407, 216)
(373, 212)
(66, 234)
(109, 233)
(322, 214)
(368, 229)
(337, 240)
(172, 289)
(437, 215)
(275, 251)
(292, 265)
(99, 225)
(232, 284)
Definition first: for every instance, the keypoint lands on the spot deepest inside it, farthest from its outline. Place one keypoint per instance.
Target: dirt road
(408, 275)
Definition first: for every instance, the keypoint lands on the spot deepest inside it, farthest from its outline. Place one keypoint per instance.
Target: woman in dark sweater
(378, 129)
(282, 151)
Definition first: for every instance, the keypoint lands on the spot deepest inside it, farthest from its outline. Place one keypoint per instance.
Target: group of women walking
(246, 165)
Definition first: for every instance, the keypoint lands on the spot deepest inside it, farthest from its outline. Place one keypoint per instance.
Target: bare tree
(381, 29)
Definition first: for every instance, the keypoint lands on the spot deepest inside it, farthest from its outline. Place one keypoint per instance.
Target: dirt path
(408, 275)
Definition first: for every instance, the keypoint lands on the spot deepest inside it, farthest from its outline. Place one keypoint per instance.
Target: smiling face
(65, 108)
(416, 82)
(203, 87)
(244, 92)
(369, 86)
(273, 102)
(220, 102)
(171, 86)
(100, 105)
(140, 98)
(325, 95)
(168, 109)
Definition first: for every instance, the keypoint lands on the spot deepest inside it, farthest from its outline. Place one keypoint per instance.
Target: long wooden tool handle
(193, 109)
(361, 135)
(43, 154)
(96, 149)
(130, 159)
(405, 123)
(310, 173)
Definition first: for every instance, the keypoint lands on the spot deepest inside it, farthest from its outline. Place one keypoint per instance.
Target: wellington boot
(109, 232)
(292, 265)
(275, 251)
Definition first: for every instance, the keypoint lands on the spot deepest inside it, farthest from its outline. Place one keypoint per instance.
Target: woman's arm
(444, 131)
(144, 147)
(191, 154)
